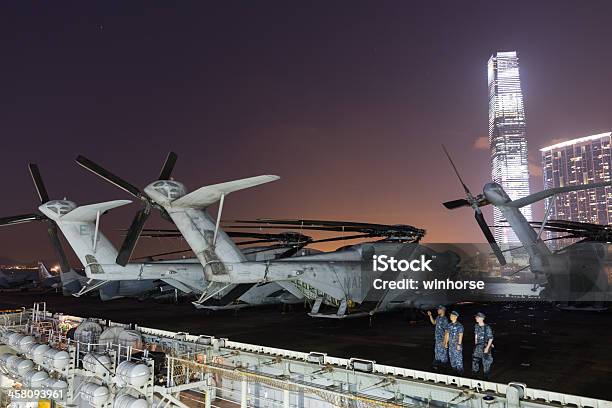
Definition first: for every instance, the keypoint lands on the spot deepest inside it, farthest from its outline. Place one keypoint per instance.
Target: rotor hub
(495, 194)
(165, 191)
(58, 207)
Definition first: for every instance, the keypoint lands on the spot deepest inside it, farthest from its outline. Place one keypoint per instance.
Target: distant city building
(509, 165)
(580, 161)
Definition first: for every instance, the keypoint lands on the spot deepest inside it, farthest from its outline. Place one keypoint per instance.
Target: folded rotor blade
(163, 254)
(160, 235)
(18, 219)
(326, 223)
(571, 236)
(255, 250)
(38, 182)
(133, 234)
(295, 247)
(490, 238)
(467, 190)
(57, 246)
(575, 225)
(159, 230)
(343, 238)
(108, 176)
(451, 205)
(290, 252)
(347, 228)
(261, 235)
(166, 170)
(257, 241)
(295, 227)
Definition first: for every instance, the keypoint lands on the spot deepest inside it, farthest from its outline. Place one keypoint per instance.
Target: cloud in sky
(481, 143)
(535, 169)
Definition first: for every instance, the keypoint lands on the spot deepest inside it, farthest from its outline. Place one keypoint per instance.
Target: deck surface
(535, 344)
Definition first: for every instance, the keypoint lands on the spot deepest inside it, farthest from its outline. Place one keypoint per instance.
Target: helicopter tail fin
(208, 195)
(535, 197)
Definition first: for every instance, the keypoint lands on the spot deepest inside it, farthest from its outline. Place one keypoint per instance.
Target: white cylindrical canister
(134, 374)
(34, 378)
(127, 401)
(14, 339)
(95, 394)
(25, 342)
(110, 336)
(131, 338)
(4, 357)
(5, 335)
(38, 354)
(56, 359)
(29, 351)
(88, 332)
(99, 364)
(55, 384)
(8, 362)
(19, 366)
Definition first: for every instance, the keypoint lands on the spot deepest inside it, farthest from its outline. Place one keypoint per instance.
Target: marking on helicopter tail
(93, 265)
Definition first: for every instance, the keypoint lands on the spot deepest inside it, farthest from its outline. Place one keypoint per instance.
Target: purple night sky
(347, 101)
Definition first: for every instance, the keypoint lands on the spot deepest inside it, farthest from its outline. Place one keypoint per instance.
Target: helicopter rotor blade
(255, 250)
(467, 190)
(38, 183)
(52, 230)
(490, 238)
(129, 243)
(343, 238)
(19, 219)
(163, 254)
(324, 223)
(257, 241)
(110, 177)
(451, 205)
(168, 166)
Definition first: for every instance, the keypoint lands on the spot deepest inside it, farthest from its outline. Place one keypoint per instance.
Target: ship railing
(530, 394)
(122, 352)
(481, 386)
(232, 382)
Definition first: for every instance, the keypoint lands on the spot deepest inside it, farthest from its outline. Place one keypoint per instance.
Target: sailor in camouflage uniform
(483, 344)
(441, 323)
(454, 340)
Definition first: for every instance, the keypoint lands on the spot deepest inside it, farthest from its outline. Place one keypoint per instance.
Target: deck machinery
(107, 364)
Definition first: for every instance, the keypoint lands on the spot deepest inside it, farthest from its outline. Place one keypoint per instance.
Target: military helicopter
(52, 212)
(339, 279)
(575, 273)
(81, 227)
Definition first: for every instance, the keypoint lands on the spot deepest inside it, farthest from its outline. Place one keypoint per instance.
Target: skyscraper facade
(507, 138)
(580, 161)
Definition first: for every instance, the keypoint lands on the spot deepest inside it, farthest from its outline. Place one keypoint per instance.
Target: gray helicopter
(343, 280)
(575, 273)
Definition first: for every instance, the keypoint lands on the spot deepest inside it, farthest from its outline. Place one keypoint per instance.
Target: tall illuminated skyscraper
(509, 165)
